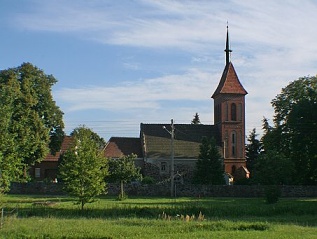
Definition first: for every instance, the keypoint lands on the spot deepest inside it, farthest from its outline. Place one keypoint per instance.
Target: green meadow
(58, 217)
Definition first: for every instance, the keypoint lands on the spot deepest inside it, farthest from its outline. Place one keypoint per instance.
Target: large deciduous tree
(123, 170)
(209, 167)
(10, 163)
(272, 168)
(31, 122)
(83, 167)
(294, 131)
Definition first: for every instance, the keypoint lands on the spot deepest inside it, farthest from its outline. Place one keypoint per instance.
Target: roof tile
(122, 146)
(229, 83)
(65, 145)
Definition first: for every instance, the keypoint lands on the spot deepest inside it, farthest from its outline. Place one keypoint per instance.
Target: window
(226, 111)
(163, 166)
(37, 172)
(233, 112)
(241, 143)
(240, 112)
(226, 148)
(233, 143)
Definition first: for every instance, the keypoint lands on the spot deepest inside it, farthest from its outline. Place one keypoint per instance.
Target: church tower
(229, 115)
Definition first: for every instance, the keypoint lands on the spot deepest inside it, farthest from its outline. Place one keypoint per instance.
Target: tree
(83, 168)
(209, 167)
(294, 132)
(273, 168)
(253, 150)
(196, 119)
(10, 163)
(123, 170)
(30, 118)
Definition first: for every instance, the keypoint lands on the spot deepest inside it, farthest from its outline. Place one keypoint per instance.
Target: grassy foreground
(58, 217)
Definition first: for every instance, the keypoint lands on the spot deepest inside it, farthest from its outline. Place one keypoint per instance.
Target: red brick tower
(229, 115)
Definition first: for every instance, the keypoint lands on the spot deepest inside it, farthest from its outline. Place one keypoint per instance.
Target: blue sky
(122, 63)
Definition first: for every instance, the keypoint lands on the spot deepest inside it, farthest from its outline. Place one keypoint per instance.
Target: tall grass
(58, 217)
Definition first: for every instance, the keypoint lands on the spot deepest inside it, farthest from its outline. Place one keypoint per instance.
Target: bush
(243, 181)
(272, 194)
(148, 180)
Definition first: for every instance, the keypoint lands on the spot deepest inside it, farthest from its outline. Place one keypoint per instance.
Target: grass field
(58, 217)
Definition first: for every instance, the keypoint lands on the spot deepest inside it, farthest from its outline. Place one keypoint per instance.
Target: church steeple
(229, 116)
(229, 82)
(227, 50)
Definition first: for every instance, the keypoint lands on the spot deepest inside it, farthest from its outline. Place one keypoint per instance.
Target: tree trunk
(122, 192)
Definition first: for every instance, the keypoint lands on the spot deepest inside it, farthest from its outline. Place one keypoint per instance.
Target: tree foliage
(123, 170)
(294, 132)
(196, 119)
(272, 168)
(31, 123)
(83, 168)
(209, 167)
(253, 150)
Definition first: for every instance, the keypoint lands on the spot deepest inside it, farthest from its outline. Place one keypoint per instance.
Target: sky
(126, 62)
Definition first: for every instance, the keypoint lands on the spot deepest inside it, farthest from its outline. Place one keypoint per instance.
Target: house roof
(65, 145)
(229, 83)
(123, 146)
(187, 140)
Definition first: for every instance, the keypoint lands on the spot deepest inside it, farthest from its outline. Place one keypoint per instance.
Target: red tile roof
(123, 146)
(65, 145)
(229, 83)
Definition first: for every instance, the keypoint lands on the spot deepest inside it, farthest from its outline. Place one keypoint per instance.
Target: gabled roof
(188, 137)
(123, 146)
(229, 83)
(65, 145)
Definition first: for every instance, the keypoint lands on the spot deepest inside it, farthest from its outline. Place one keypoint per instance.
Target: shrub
(272, 194)
(243, 181)
(148, 180)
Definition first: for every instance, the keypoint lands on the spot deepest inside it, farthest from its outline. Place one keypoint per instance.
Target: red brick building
(48, 168)
(228, 130)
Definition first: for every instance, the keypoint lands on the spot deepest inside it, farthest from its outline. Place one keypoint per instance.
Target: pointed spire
(227, 50)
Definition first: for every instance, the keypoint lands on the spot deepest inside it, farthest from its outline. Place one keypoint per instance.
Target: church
(165, 148)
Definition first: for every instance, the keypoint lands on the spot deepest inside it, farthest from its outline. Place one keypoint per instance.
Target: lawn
(58, 217)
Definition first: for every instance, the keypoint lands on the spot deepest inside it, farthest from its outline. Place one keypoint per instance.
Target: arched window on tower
(240, 143)
(233, 143)
(233, 112)
(226, 114)
(239, 113)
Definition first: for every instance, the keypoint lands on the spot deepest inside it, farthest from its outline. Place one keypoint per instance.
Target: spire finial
(227, 50)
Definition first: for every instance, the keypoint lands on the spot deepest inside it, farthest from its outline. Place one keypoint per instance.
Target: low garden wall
(186, 190)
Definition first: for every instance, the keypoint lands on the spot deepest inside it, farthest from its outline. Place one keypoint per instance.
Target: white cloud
(273, 43)
(144, 94)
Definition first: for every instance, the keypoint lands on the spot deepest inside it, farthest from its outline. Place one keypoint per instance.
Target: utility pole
(172, 157)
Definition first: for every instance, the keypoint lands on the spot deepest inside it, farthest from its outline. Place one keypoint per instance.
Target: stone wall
(40, 188)
(163, 190)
